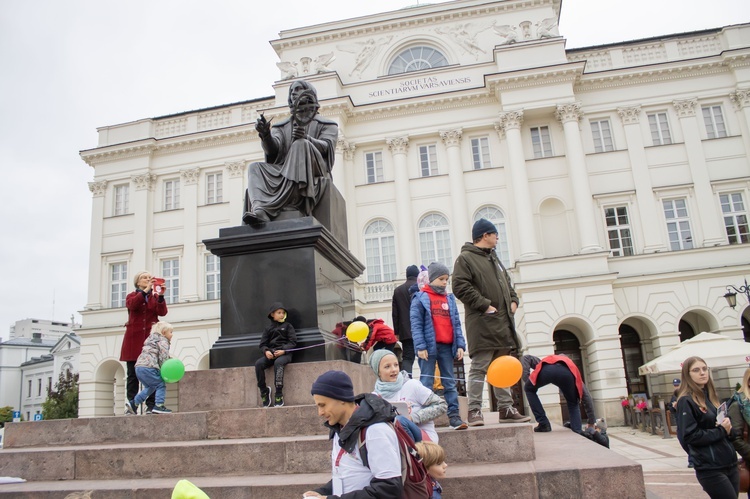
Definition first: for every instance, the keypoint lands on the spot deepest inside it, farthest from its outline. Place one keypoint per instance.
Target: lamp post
(731, 296)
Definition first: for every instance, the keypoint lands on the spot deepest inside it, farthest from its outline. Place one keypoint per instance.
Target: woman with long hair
(705, 439)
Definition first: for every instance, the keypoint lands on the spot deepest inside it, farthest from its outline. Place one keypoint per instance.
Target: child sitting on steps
(275, 342)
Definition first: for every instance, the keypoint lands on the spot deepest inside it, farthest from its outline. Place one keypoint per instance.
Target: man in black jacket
(400, 305)
(345, 415)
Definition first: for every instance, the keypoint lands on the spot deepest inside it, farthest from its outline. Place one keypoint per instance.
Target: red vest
(554, 359)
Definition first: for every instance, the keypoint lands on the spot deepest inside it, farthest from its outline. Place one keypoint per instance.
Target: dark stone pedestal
(296, 261)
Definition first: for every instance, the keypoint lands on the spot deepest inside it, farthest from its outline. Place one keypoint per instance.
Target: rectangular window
(428, 160)
(171, 194)
(29, 391)
(602, 136)
(374, 166)
(735, 217)
(541, 142)
(118, 284)
(49, 384)
(213, 278)
(659, 126)
(618, 231)
(714, 120)
(214, 188)
(39, 387)
(122, 200)
(480, 153)
(170, 271)
(678, 224)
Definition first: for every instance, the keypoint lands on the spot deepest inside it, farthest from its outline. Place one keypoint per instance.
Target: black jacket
(708, 444)
(278, 336)
(371, 409)
(400, 309)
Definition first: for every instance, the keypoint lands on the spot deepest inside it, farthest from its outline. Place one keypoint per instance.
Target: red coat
(143, 312)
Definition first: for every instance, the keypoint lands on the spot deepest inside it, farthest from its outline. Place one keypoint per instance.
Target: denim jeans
(150, 378)
(444, 361)
(560, 376)
(410, 427)
(132, 386)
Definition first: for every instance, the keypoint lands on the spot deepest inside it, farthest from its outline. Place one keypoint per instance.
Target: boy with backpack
(370, 456)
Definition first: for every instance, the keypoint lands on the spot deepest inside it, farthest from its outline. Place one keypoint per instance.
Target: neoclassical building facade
(618, 177)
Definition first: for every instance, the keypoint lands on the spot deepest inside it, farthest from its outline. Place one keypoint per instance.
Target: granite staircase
(229, 447)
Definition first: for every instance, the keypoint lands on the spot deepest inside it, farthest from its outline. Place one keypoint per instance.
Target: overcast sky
(68, 67)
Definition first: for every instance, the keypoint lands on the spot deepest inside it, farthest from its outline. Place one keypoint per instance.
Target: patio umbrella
(716, 349)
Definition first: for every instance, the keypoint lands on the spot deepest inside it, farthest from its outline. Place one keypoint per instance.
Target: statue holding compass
(299, 151)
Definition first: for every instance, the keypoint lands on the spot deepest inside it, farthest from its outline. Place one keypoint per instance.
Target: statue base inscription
(296, 261)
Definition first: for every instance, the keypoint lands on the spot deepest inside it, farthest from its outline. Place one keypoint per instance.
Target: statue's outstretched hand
(262, 126)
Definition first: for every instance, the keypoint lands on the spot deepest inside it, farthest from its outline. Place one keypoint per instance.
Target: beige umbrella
(716, 349)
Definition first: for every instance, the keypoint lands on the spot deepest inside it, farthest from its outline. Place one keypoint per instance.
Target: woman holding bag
(703, 435)
(739, 415)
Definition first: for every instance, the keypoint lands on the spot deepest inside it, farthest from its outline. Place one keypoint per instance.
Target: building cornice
(526, 78)
(401, 19)
(417, 105)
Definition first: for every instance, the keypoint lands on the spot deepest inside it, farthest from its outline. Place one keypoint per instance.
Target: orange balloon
(504, 372)
(357, 331)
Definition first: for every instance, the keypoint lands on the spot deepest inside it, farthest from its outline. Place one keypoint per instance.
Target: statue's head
(303, 102)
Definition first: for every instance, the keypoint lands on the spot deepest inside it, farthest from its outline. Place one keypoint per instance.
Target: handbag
(742, 465)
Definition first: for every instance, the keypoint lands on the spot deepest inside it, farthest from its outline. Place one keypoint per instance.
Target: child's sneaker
(160, 409)
(278, 400)
(130, 408)
(265, 397)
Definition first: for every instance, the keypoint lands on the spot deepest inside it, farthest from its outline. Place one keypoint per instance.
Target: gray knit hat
(435, 270)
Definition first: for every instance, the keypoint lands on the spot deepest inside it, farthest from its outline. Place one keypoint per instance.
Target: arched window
(435, 240)
(415, 59)
(380, 251)
(496, 216)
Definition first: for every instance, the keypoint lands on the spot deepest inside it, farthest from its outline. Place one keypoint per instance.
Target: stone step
(237, 456)
(565, 465)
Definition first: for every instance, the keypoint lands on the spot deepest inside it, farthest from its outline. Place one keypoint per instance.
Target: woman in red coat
(144, 309)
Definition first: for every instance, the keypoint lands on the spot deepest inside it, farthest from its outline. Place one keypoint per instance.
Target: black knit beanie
(482, 227)
(334, 384)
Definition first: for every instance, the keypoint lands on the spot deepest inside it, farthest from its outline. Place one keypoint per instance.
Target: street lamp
(731, 296)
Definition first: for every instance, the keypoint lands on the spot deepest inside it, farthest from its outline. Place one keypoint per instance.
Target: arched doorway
(567, 343)
(745, 321)
(686, 330)
(632, 356)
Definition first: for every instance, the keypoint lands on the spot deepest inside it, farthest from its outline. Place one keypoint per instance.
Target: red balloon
(504, 371)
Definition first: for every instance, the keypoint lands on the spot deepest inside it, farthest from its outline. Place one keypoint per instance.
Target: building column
(708, 211)
(405, 228)
(143, 211)
(460, 223)
(346, 149)
(510, 124)
(190, 265)
(569, 114)
(98, 189)
(741, 100)
(644, 193)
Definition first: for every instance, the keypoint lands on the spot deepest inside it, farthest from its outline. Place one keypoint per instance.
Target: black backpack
(417, 485)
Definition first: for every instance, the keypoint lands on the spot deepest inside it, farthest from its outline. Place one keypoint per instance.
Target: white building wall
(553, 206)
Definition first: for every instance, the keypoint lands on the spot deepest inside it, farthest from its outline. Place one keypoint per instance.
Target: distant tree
(62, 402)
(6, 415)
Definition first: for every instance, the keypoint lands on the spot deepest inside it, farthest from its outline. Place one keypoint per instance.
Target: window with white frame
(618, 231)
(735, 217)
(213, 277)
(497, 217)
(29, 391)
(170, 271)
(602, 134)
(541, 142)
(428, 160)
(374, 166)
(214, 188)
(415, 59)
(118, 284)
(480, 152)
(39, 387)
(172, 194)
(435, 240)
(122, 199)
(714, 121)
(678, 224)
(659, 126)
(380, 251)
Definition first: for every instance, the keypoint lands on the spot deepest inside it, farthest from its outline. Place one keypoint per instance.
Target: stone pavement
(664, 463)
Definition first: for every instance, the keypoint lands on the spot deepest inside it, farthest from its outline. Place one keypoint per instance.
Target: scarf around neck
(740, 398)
(388, 389)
